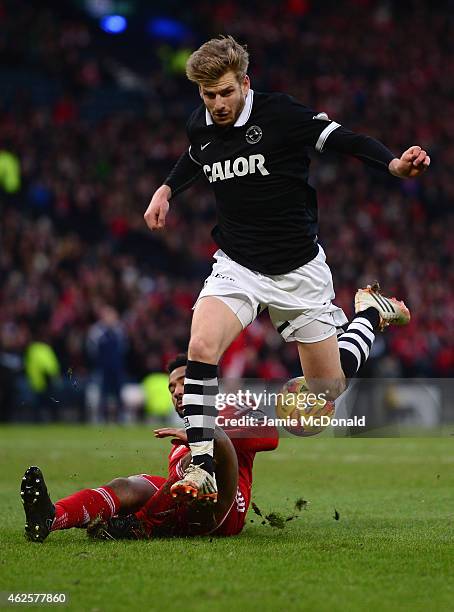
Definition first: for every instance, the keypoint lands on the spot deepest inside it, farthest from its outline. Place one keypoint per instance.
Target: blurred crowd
(76, 257)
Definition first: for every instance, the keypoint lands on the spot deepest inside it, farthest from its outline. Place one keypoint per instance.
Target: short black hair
(180, 360)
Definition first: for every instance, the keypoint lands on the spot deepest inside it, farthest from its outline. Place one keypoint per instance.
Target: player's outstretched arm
(155, 215)
(173, 432)
(413, 162)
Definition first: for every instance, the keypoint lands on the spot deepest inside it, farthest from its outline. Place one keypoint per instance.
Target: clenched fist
(413, 162)
(155, 215)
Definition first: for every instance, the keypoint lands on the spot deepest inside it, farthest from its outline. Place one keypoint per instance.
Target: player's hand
(171, 432)
(155, 215)
(413, 162)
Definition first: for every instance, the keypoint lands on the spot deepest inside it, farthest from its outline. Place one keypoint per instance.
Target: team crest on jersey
(254, 134)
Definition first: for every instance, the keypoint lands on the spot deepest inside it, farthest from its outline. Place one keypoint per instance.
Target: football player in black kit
(252, 148)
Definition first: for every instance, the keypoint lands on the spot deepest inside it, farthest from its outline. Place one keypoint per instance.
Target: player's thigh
(214, 327)
(133, 492)
(321, 366)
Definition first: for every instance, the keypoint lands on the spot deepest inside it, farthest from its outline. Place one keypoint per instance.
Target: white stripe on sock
(359, 340)
(202, 448)
(360, 327)
(363, 321)
(208, 382)
(108, 499)
(191, 399)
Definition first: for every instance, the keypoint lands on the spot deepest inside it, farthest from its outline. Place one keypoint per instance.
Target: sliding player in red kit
(163, 515)
(109, 510)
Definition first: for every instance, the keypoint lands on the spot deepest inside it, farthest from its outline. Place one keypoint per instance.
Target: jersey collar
(245, 113)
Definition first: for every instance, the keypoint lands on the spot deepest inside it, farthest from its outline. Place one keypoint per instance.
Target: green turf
(391, 549)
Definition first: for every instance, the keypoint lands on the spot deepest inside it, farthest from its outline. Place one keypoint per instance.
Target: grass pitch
(392, 547)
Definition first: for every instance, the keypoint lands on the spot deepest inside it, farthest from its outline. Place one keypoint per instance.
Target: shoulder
(289, 104)
(196, 122)
(268, 100)
(283, 105)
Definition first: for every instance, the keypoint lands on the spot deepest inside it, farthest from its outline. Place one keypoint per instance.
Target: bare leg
(133, 493)
(214, 328)
(321, 365)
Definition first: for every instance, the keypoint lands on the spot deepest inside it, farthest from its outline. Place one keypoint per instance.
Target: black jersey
(259, 169)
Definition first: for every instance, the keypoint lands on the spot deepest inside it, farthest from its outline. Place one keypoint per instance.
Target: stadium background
(92, 121)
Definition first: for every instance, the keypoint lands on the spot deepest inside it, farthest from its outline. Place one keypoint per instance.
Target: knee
(202, 349)
(119, 485)
(336, 388)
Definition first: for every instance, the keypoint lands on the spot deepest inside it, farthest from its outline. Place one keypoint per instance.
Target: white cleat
(195, 484)
(391, 310)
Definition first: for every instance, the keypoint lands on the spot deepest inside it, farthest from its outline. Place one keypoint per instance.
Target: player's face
(225, 99)
(176, 388)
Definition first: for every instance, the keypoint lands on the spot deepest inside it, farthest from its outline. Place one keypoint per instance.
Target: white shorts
(299, 302)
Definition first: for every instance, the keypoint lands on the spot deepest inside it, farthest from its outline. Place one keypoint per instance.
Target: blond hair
(216, 57)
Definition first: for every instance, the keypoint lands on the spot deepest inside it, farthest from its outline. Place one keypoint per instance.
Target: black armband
(367, 149)
(184, 174)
